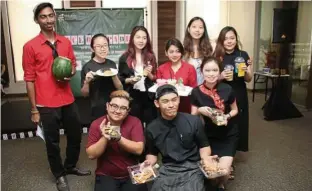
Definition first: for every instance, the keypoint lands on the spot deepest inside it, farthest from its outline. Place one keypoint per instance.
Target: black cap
(165, 89)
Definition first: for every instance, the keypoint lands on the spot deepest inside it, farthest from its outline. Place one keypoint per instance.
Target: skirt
(179, 177)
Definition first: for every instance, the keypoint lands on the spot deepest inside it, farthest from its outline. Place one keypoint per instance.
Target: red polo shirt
(37, 65)
(114, 161)
(187, 72)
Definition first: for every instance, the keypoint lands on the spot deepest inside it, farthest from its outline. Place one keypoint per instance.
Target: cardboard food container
(142, 173)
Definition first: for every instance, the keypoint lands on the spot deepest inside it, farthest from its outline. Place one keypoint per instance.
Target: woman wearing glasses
(98, 88)
(178, 70)
(137, 72)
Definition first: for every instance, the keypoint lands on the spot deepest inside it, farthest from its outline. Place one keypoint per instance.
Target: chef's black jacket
(177, 140)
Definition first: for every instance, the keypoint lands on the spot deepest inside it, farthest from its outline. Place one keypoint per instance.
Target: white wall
(180, 20)
(214, 12)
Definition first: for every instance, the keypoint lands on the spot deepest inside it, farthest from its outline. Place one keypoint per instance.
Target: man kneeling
(180, 139)
(115, 150)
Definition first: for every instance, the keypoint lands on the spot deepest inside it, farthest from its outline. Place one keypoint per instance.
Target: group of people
(179, 129)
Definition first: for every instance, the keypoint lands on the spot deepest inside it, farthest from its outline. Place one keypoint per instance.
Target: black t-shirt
(100, 87)
(177, 140)
(228, 59)
(221, 97)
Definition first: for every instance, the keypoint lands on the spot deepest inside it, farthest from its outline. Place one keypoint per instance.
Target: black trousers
(98, 111)
(52, 120)
(142, 107)
(108, 183)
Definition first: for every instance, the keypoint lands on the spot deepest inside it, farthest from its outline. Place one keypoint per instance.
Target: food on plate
(137, 78)
(172, 82)
(108, 73)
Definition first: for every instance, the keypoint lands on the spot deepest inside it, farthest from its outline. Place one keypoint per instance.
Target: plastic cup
(229, 71)
(239, 64)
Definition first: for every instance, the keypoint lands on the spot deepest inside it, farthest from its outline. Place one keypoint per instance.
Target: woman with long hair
(137, 67)
(197, 45)
(228, 50)
(178, 70)
(216, 95)
(98, 88)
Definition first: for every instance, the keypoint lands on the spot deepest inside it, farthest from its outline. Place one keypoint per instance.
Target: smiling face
(196, 29)
(174, 54)
(100, 47)
(117, 109)
(211, 72)
(46, 19)
(230, 41)
(140, 39)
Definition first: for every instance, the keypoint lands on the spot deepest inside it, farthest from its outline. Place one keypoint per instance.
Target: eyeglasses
(115, 107)
(99, 47)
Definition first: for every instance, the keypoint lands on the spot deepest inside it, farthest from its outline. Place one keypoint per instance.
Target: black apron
(179, 177)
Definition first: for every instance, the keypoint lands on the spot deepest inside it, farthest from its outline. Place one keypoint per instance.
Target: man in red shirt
(115, 153)
(52, 101)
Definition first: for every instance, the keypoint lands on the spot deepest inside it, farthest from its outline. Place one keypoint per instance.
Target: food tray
(185, 91)
(215, 171)
(141, 173)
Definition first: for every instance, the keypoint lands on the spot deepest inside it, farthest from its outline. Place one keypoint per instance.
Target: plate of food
(182, 89)
(211, 170)
(142, 173)
(106, 72)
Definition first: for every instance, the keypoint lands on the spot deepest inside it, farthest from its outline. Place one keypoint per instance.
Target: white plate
(113, 72)
(184, 93)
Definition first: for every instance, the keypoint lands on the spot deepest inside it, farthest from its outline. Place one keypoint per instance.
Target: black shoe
(62, 184)
(78, 172)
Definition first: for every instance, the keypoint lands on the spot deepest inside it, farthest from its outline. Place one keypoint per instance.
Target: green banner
(80, 25)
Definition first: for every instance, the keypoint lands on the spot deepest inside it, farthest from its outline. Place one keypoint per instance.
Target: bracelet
(34, 111)
(229, 116)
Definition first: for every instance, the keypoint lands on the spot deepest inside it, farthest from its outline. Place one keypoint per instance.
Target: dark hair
(210, 59)
(40, 7)
(175, 42)
(93, 39)
(220, 50)
(147, 52)
(205, 48)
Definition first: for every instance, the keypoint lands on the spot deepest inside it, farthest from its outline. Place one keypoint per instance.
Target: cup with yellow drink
(239, 65)
(228, 69)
